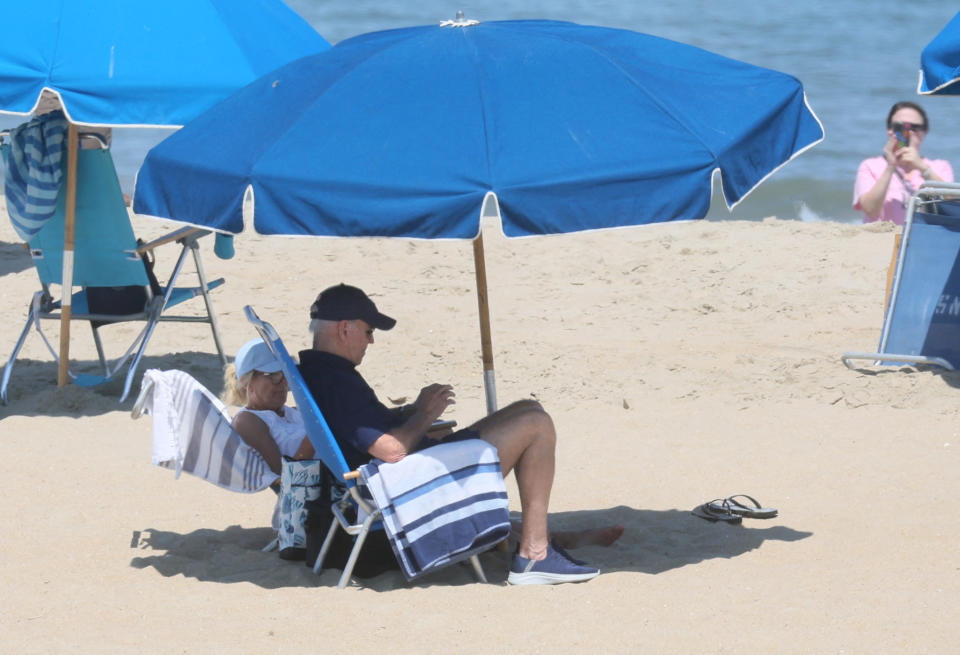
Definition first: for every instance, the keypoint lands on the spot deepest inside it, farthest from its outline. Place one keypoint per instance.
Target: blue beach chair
(328, 450)
(922, 322)
(111, 268)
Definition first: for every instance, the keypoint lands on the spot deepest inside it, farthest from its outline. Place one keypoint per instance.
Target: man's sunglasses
(907, 127)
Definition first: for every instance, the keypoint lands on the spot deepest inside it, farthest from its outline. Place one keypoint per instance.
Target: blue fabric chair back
(925, 317)
(324, 444)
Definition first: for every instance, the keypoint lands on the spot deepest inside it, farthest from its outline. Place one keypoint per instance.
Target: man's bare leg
(571, 539)
(525, 439)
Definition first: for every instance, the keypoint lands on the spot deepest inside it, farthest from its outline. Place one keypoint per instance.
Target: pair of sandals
(734, 509)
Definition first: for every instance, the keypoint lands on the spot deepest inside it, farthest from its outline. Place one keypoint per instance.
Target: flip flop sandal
(753, 510)
(716, 510)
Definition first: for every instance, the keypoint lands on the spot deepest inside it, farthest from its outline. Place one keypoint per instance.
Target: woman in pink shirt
(884, 184)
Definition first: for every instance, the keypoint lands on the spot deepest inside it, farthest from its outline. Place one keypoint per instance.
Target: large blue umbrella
(559, 127)
(940, 62)
(138, 63)
(123, 62)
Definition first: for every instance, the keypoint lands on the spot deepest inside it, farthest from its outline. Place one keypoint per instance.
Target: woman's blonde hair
(234, 390)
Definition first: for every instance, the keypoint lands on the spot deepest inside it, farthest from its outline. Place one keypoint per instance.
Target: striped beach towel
(192, 433)
(33, 172)
(440, 505)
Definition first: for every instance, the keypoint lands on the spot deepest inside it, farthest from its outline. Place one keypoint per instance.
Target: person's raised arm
(871, 201)
(431, 403)
(909, 159)
(256, 434)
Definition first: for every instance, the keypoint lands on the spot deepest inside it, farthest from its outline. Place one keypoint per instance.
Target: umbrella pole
(486, 344)
(69, 232)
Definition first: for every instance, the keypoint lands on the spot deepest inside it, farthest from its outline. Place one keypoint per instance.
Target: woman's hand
(890, 150)
(908, 158)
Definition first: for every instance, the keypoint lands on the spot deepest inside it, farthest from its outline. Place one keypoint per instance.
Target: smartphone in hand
(902, 141)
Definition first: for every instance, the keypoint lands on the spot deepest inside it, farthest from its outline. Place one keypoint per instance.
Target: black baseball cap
(345, 303)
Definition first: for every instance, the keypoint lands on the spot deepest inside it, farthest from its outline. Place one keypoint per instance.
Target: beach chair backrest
(192, 432)
(325, 445)
(923, 317)
(104, 246)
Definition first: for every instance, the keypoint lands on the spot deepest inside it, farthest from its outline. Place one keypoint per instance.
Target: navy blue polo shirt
(355, 415)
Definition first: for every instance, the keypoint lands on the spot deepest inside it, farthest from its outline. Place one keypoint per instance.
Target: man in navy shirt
(343, 323)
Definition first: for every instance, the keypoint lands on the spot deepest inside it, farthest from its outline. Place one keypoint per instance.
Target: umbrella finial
(459, 21)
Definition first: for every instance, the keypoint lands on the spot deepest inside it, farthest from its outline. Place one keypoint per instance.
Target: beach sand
(681, 362)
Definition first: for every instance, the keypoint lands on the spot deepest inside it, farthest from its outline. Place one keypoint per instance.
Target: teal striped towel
(33, 172)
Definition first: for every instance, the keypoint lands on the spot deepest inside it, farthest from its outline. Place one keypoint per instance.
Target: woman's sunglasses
(276, 377)
(907, 127)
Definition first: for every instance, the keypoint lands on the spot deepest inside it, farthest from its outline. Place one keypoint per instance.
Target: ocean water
(855, 60)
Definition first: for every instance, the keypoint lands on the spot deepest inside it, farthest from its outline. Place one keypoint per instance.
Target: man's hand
(434, 400)
(430, 404)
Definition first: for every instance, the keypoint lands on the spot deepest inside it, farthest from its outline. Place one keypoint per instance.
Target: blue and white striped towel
(441, 505)
(33, 172)
(192, 433)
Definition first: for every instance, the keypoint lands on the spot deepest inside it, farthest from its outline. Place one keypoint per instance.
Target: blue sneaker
(553, 569)
(563, 551)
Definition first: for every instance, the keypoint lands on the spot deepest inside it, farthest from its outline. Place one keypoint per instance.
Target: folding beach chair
(110, 267)
(354, 502)
(922, 321)
(192, 432)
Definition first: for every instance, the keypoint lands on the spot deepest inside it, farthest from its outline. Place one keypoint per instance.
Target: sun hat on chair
(255, 355)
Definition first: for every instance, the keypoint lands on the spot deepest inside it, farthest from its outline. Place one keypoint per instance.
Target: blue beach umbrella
(138, 63)
(553, 126)
(940, 62)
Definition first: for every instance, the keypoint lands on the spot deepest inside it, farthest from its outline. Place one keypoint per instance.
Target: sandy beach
(681, 362)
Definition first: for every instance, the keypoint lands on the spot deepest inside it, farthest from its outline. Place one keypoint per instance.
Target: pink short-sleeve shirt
(895, 202)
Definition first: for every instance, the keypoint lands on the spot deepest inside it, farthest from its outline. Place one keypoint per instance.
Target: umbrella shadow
(225, 556)
(236, 555)
(654, 541)
(33, 387)
(14, 258)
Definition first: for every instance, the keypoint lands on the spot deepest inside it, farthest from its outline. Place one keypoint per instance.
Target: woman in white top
(255, 382)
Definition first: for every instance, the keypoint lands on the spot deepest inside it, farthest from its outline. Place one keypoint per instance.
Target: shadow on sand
(13, 259)
(654, 541)
(33, 387)
(950, 378)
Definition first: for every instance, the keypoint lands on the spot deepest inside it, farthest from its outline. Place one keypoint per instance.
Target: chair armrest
(96, 138)
(176, 235)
